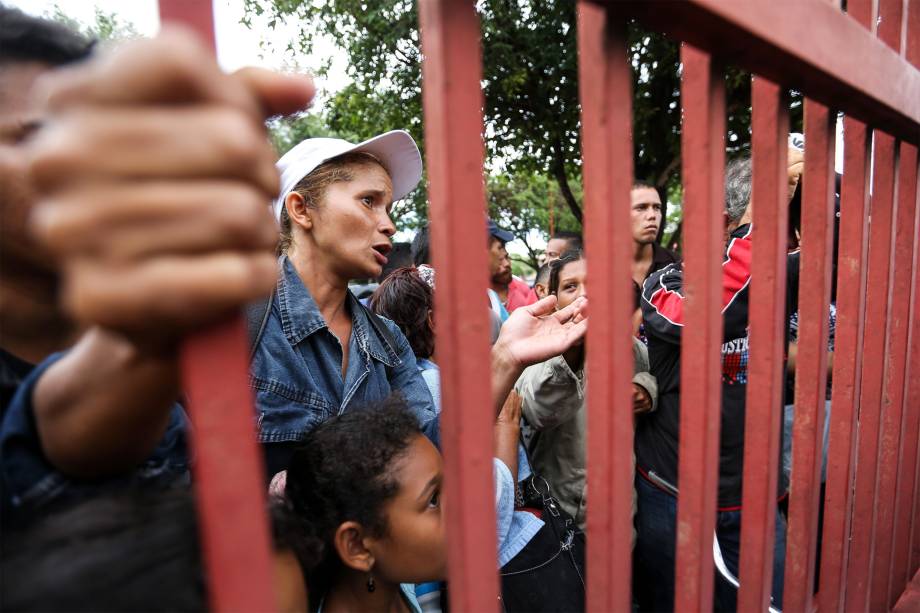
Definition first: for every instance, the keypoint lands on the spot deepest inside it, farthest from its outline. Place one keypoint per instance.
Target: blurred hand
(795, 167)
(537, 332)
(642, 401)
(153, 178)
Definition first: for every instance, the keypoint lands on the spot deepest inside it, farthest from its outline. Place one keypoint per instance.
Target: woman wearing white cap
(320, 352)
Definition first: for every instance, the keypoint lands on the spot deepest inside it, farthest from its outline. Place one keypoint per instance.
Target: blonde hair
(312, 188)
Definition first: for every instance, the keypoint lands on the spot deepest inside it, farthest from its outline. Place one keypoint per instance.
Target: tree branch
(558, 169)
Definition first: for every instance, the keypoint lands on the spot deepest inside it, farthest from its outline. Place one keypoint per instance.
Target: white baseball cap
(396, 151)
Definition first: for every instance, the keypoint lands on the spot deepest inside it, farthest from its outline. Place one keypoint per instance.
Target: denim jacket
(297, 370)
(29, 482)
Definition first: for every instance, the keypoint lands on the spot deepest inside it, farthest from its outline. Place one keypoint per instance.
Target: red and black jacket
(657, 433)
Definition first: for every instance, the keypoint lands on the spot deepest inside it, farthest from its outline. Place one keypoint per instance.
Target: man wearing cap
(512, 293)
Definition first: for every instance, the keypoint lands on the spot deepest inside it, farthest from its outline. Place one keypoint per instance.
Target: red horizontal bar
(703, 156)
(454, 151)
(770, 126)
(605, 83)
(808, 45)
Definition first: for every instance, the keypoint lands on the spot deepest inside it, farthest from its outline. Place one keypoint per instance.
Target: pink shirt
(519, 294)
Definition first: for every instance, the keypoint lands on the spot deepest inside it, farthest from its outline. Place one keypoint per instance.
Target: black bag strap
(256, 319)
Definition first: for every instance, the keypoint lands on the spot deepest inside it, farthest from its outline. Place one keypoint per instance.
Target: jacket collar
(300, 316)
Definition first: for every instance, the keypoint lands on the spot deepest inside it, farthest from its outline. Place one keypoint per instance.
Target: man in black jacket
(657, 434)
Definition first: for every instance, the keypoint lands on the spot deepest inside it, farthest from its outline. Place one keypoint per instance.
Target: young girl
(371, 484)
(554, 399)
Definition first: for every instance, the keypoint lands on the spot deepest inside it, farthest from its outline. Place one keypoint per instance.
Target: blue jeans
(656, 519)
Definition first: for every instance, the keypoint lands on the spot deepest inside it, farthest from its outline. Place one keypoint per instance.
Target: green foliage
(530, 87)
(521, 203)
(106, 27)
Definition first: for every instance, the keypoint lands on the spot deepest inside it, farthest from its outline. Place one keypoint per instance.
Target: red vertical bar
(893, 414)
(811, 367)
(703, 156)
(893, 383)
(452, 97)
(770, 125)
(874, 347)
(228, 467)
(605, 83)
(848, 363)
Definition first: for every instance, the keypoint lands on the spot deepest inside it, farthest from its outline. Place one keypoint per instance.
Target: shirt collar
(300, 316)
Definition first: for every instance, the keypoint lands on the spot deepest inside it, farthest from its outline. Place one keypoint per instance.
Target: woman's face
(352, 225)
(414, 548)
(571, 283)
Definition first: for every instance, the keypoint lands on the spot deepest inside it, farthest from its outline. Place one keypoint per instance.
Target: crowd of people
(141, 201)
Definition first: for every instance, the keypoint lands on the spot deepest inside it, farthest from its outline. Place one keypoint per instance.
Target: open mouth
(381, 251)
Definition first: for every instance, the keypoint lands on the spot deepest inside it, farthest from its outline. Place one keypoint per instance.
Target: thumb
(542, 307)
(278, 93)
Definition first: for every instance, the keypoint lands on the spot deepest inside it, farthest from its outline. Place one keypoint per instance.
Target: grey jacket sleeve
(642, 375)
(551, 392)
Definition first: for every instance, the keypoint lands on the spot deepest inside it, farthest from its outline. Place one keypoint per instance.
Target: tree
(522, 202)
(106, 27)
(530, 86)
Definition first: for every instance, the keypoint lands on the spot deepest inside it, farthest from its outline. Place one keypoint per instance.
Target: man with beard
(512, 293)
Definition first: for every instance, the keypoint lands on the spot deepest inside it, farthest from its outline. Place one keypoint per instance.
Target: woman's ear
(349, 544)
(299, 213)
(431, 319)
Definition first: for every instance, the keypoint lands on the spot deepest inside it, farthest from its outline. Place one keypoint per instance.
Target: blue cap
(502, 235)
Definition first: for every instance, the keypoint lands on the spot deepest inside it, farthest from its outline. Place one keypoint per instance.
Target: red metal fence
(863, 63)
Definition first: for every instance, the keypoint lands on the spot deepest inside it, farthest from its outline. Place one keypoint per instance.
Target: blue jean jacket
(30, 483)
(297, 370)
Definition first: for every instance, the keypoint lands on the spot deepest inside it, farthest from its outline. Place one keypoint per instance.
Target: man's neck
(642, 261)
(501, 290)
(643, 252)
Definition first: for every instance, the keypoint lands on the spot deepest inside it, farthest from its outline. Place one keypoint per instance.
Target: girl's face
(352, 227)
(414, 548)
(571, 283)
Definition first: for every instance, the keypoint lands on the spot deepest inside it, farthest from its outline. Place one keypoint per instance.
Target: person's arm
(104, 406)
(552, 393)
(508, 432)
(663, 297)
(645, 385)
(406, 378)
(153, 196)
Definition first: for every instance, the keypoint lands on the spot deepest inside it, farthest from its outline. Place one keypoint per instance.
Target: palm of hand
(536, 333)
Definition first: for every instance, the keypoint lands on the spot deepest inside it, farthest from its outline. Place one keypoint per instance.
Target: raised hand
(537, 332)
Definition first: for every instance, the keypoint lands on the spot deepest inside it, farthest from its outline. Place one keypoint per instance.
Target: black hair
(543, 274)
(406, 299)
(344, 472)
(292, 533)
(24, 38)
(643, 184)
(420, 243)
(573, 239)
(126, 551)
(556, 266)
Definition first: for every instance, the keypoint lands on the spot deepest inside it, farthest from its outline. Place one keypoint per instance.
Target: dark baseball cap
(502, 235)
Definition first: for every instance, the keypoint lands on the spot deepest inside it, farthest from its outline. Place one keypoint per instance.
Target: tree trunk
(558, 168)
